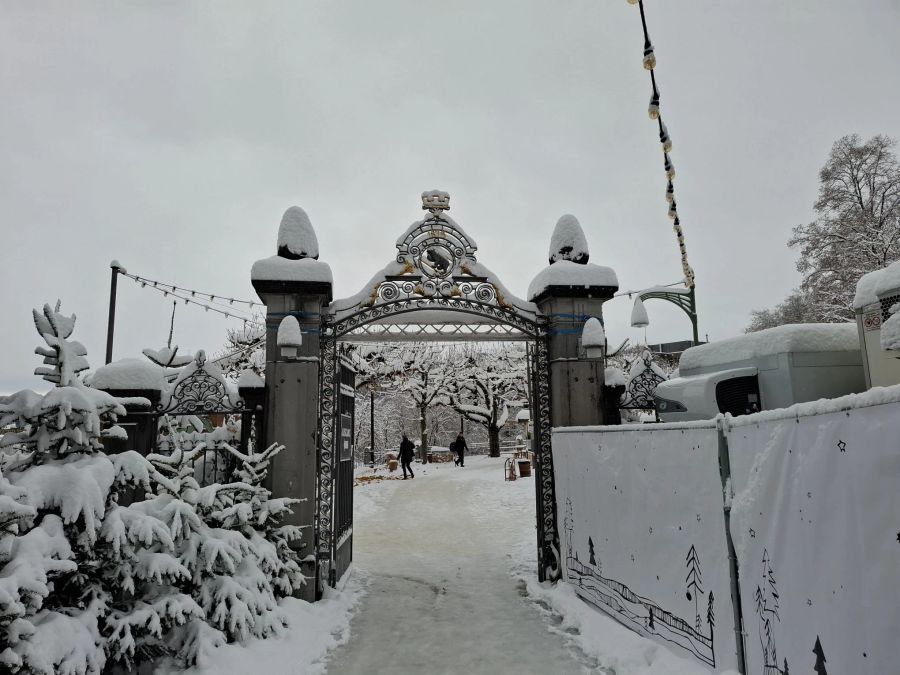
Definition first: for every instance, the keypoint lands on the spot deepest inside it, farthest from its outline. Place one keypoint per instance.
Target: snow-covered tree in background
(488, 383)
(427, 376)
(857, 230)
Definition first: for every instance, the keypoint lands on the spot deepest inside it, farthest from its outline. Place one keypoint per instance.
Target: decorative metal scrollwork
(640, 389)
(328, 386)
(200, 390)
(549, 568)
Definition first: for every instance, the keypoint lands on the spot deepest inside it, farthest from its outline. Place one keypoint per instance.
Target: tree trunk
(423, 436)
(494, 440)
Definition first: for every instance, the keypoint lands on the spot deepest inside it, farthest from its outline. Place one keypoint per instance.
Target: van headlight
(667, 406)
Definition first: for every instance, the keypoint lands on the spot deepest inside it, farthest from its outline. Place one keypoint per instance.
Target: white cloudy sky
(172, 136)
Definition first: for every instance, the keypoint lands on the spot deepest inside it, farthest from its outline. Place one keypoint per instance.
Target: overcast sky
(173, 135)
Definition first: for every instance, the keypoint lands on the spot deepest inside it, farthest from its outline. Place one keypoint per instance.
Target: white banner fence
(766, 544)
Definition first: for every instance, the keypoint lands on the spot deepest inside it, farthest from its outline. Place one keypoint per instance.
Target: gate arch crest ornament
(436, 289)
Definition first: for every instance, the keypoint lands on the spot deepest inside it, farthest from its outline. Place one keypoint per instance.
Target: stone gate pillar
(294, 283)
(568, 292)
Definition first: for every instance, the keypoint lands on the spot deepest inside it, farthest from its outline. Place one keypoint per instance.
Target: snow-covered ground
(444, 582)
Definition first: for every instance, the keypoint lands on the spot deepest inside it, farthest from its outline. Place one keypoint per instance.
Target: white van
(772, 368)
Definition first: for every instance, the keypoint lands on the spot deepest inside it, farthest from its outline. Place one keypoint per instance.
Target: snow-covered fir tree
(86, 555)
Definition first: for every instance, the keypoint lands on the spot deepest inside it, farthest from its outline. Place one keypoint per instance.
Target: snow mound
(593, 335)
(876, 283)
(296, 237)
(289, 334)
(568, 273)
(249, 379)
(167, 357)
(130, 374)
(808, 337)
(614, 377)
(890, 330)
(568, 241)
(278, 268)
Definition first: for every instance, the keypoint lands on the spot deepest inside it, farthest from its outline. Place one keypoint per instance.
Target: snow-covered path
(441, 599)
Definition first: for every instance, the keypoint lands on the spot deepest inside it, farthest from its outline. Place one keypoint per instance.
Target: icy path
(441, 599)
(445, 582)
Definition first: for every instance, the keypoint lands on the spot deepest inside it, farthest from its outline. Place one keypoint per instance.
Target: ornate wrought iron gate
(437, 291)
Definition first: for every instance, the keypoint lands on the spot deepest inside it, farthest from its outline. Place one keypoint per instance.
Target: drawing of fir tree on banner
(694, 582)
(767, 611)
(638, 613)
(819, 666)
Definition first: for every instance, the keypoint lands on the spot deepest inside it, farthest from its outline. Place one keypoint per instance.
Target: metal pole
(111, 326)
(693, 298)
(372, 425)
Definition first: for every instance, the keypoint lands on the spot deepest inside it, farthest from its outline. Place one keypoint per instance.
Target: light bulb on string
(649, 56)
(653, 109)
(664, 137)
(673, 210)
(670, 192)
(633, 2)
(669, 166)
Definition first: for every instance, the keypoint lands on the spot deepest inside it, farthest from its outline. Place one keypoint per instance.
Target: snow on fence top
(250, 379)
(809, 337)
(568, 273)
(296, 237)
(568, 241)
(876, 283)
(614, 377)
(129, 374)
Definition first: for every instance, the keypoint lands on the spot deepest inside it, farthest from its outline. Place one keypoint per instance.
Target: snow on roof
(876, 283)
(523, 415)
(296, 237)
(568, 273)
(805, 337)
(593, 335)
(277, 268)
(289, 334)
(130, 374)
(568, 241)
(890, 330)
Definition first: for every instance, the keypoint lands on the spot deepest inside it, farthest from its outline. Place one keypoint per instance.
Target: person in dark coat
(407, 452)
(460, 447)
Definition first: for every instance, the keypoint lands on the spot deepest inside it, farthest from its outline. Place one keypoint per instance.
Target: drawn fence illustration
(727, 540)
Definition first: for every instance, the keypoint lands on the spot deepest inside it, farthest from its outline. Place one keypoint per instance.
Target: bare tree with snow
(857, 230)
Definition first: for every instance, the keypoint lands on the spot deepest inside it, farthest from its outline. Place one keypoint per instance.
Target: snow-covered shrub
(233, 546)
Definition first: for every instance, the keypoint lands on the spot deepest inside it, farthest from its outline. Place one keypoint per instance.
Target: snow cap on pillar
(568, 241)
(639, 318)
(296, 236)
(569, 273)
(289, 334)
(296, 268)
(289, 338)
(593, 335)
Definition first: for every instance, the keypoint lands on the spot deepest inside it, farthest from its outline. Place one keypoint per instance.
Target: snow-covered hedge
(87, 580)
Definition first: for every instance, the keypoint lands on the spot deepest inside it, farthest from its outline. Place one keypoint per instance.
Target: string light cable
(210, 302)
(649, 63)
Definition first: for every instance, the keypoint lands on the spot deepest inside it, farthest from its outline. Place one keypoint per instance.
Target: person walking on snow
(460, 447)
(407, 451)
